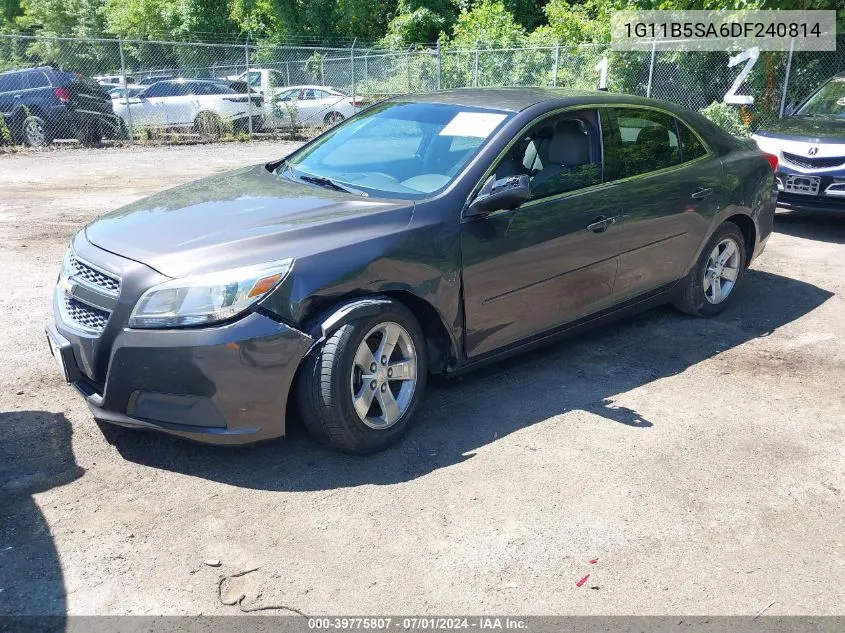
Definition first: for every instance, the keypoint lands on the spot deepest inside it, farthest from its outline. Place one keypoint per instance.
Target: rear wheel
(358, 391)
(712, 283)
(333, 118)
(209, 126)
(35, 132)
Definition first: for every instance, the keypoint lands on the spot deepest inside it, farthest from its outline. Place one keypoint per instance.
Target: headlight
(208, 298)
(67, 264)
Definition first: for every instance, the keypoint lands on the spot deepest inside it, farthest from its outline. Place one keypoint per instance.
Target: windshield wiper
(328, 183)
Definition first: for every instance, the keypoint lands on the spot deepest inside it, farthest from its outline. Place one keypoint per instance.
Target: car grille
(808, 162)
(87, 316)
(86, 274)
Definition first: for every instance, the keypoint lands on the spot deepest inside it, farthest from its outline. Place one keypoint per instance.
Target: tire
(209, 126)
(333, 374)
(333, 118)
(698, 293)
(35, 131)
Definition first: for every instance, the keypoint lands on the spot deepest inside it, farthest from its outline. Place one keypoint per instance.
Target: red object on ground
(594, 561)
(582, 581)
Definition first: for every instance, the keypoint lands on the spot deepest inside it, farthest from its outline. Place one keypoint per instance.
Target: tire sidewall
(705, 308)
(367, 439)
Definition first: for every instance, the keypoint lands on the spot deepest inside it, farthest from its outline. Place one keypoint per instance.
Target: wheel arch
(440, 345)
(749, 232)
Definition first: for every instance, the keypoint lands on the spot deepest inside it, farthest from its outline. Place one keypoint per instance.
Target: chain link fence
(271, 90)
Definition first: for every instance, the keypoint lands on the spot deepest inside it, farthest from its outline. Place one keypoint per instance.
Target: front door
(554, 259)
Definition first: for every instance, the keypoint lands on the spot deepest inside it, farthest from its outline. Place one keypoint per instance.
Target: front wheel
(713, 281)
(357, 392)
(35, 132)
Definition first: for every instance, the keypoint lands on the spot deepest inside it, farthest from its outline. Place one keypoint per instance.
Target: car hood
(240, 218)
(810, 129)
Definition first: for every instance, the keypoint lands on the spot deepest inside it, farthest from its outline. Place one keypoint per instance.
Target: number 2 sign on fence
(749, 56)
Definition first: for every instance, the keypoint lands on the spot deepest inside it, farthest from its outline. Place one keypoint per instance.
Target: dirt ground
(702, 462)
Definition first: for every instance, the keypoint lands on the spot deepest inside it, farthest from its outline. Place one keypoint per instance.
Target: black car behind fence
(42, 104)
(694, 80)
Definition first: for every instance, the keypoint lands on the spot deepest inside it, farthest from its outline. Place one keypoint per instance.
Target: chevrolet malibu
(424, 235)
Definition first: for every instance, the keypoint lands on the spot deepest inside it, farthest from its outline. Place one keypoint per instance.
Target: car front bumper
(831, 191)
(221, 385)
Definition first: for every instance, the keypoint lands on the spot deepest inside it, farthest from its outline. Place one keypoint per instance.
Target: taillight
(357, 104)
(773, 160)
(62, 94)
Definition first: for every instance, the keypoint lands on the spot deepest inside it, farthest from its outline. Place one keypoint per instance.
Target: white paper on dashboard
(479, 124)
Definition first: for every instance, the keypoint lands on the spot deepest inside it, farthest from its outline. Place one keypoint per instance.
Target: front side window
(829, 101)
(11, 82)
(255, 79)
(558, 155)
(639, 141)
(161, 89)
(398, 149)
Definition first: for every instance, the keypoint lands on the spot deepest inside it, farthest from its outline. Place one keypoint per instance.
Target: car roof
(24, 70)
(311, 87)
(517, 99)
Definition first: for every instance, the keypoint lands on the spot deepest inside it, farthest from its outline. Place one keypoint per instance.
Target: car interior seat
(566, 149)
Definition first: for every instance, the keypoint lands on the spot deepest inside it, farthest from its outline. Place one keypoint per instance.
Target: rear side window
(639, 141)
(691, 147)
(36, 79)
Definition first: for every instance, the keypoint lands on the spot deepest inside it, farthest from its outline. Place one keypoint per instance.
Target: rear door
(309, 107)
(670, 185)
(553, 260)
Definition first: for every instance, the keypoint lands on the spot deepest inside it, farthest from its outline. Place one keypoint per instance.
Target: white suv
(205, 107)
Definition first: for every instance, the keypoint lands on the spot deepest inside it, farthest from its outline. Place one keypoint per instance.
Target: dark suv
(42, 104)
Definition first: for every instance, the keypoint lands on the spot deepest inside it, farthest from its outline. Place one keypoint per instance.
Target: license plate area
(806, 185)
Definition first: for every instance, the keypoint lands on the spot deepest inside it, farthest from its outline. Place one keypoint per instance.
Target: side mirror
(498, 195)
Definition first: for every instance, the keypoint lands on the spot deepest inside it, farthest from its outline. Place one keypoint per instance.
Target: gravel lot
(702, 462)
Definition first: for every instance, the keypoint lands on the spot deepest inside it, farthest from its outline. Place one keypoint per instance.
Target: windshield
(829, 101)
(398, 149)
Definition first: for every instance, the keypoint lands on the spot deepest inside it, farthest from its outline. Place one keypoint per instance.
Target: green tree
(420, 21)
(488, 24)
(74, 18)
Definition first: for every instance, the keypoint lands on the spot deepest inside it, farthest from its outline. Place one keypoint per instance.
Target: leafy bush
(727, 117)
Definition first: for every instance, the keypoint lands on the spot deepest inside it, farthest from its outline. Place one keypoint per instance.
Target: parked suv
(42, 104)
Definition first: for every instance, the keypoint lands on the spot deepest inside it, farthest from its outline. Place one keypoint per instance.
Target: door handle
(701, 193)
(17, 97)
(600, 224)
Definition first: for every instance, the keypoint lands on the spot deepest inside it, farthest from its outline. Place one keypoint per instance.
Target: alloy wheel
(721, 271)
(33, 129)
(384, 375)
